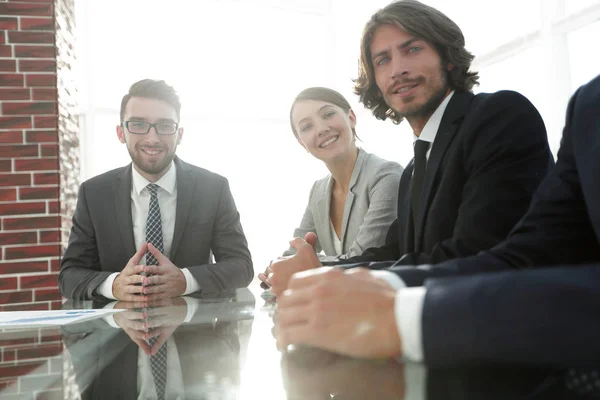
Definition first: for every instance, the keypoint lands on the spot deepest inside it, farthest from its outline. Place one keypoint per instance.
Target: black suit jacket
(489, 155)
(207, 222)
(545, 315)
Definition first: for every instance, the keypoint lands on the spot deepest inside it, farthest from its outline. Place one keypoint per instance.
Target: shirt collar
(433, 123)
(167, 181)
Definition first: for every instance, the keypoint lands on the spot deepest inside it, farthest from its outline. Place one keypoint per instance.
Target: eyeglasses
(141, 127)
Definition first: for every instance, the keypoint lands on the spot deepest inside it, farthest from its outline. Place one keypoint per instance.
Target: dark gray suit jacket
(207, 222)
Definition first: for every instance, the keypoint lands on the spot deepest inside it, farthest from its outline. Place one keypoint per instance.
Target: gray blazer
(371, 207)
(206, 223)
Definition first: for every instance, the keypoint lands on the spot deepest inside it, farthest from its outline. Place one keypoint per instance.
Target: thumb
(160, 257)
(311, 238)
(137, 257)
(297, 243)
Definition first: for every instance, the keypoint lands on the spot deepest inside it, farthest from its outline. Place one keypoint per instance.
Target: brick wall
(39, 164)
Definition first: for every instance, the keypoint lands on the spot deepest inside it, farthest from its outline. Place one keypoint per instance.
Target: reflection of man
(542, 316)
(478, 158)
(175, 214)
(200, 348)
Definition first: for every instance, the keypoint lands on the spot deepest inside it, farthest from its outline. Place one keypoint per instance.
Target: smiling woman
(350, 209)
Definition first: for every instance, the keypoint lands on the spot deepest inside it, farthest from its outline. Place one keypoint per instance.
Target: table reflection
(222, 347)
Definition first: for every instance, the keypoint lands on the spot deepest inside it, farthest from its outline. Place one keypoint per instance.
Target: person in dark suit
(175, 214)
(478, 158)
(505, 312)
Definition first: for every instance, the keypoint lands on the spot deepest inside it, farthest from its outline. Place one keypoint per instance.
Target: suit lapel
(360, 160)
(323, 210)
(123, 208)
(185, 190)
(453, 115)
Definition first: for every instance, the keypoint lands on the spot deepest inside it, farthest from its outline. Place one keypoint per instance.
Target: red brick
(8, 65)
(9, 355)
(24, 150)
(39, 351)
(46, 178)
(26, 307)
(22, 208)
(15, 179)
(37, 24)
(20, 369)
(23, 267)
(48, 335)
(11, 79)
(8, 283)
(36, 164)
(21, 223)
(5, 166)
(48, 294)
(33, 80)
(50, 150)
(16, 297)
(34, 51)
(53, 208)
(15, 122)
(14, 94)
(29, 107)
(56, 305)
(21, 252)
(17, 238)
(39, 281)
(37, 66)
(8, 195)
(45, 136)
(37, 193)
(45, 122)
(9, 23)
(44, 94)
(6, 50)
(49, 236)
(33, 37)
(37, 10)
(17, 341)
(11, 137)
(55, 265)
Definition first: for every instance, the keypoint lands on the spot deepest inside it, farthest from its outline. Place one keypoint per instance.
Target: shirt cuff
(415, 379)
(409, 314)
(192, 307)
(392, 279)
(191, 284)
(105, 288)
(110, 319)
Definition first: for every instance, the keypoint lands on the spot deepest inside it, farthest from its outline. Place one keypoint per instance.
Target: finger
(137, 257)
(131, 297)
(295, 335)
(159, 342)
(262, 277)
(142, 344)
(294, 298)
(313, 276)
(160, 296)
(297, 243)
(156, 269)
(134, 278)
(155, 289)
(298, 314)
(132, 270)
(160, 257)
(311, 238)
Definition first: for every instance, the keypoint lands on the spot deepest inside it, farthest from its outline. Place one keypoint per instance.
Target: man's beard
(431, 104)
(148, 167)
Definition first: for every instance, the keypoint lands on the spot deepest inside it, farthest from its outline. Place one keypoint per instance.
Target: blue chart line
(70, 315)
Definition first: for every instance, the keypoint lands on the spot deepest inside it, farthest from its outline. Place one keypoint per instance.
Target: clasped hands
(349, 312)
(165, 281)
(143, 321)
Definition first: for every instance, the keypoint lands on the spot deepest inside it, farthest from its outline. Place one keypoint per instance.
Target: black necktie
(153, 225)
(158, 362)
(585, 382)
(420, 148)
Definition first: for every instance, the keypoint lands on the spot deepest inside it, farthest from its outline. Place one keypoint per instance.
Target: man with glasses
(175, 214)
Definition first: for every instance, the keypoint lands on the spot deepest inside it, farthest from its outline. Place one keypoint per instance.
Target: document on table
(23, 319)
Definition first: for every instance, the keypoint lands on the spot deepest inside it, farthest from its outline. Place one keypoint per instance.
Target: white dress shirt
(145, 380)
(409, 301)
(140, 204)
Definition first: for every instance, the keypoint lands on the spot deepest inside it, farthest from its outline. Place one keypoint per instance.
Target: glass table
(221, 346)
